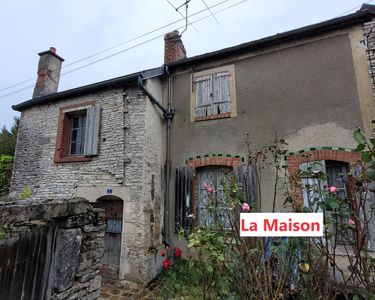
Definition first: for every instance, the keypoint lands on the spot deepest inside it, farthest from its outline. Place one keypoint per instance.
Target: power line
(204, 2)
(129, 48)
(117, 45)
(344, 13)
(182, 15)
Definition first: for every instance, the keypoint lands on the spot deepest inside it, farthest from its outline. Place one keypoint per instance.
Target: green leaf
(360, 147)
(359, 137)
(26, 193)
(366, 156)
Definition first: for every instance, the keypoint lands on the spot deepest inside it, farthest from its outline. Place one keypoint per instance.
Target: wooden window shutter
(183, 191)
(246, 176)
(92, 131)
(203, 98)
(221, 93)
(369, 210)
(369, 207)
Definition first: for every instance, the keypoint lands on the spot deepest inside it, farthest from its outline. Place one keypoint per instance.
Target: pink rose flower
(325, 185)
(162, 253)
(332, 189)
(245, 207)
(210, 190)
(351, 221)
(169, 248)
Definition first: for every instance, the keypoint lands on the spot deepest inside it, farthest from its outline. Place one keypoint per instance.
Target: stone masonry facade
(130, 162)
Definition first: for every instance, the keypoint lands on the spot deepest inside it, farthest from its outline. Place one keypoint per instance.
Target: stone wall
(58, 245)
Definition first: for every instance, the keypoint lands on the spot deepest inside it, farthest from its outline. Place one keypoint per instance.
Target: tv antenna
(186, 4)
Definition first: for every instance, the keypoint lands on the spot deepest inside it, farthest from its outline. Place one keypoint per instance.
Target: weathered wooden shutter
(92, 131)
(369, 210)
(221, 93)
(203, 99)
(183, 196)
(246, 176)
(370, 214)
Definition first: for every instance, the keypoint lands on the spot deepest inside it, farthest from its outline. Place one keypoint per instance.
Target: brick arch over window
(294, 160)
(213, 161)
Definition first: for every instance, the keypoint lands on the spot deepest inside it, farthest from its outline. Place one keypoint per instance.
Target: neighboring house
(125, 143)
(103, 142)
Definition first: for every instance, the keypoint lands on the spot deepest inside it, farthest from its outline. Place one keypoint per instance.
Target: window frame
(322, 166)
(81, 131)
(222, 170)
(210, 72)
(62, 149)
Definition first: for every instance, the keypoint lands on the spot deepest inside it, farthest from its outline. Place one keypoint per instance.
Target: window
(312, 188)
(212, 207)
(213, 94)
(78, 133)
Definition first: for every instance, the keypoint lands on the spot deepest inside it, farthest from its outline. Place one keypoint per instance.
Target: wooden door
(112, 239)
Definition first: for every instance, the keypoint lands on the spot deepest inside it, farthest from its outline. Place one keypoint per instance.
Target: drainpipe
(151, 97)
(169, 116)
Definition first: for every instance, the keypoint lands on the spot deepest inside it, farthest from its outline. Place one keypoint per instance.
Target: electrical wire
(118, 45)
(129, 48)
(182, 15)
(204, 2)
(358, 6)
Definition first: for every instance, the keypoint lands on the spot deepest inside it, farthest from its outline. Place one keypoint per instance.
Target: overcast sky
(80, 28)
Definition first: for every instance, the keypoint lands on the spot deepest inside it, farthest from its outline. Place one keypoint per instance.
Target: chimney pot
(174, 49)
(53, 50)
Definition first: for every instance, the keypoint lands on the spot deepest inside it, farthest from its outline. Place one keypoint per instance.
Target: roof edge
(363, 15)
(75, 91)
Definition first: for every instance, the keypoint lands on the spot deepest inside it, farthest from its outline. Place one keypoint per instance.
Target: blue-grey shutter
(203, 98)
(92, 131)
(221, 93)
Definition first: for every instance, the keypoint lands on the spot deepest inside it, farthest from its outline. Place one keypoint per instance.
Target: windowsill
(77, 158)
(212, 117)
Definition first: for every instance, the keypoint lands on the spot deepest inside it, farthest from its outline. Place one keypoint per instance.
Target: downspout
(151, 97)
(169, 116)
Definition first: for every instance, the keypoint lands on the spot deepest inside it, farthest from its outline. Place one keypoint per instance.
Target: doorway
(113, 207)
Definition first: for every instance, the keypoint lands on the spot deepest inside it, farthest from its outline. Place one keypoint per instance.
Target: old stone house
(103, 142)
(126, 142)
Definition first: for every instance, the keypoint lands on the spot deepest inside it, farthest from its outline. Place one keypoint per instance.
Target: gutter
(76, 91)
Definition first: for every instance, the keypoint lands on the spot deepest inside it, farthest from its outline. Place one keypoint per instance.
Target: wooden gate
(112, 240)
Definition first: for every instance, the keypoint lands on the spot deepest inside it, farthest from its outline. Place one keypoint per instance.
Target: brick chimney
(174, 49)
(49, 68)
